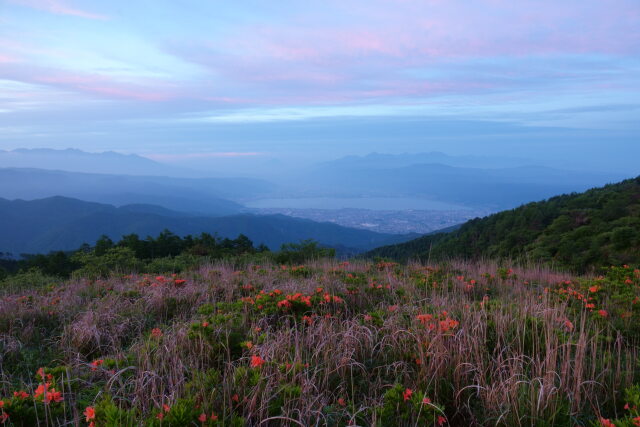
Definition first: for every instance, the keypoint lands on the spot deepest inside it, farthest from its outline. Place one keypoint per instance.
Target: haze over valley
(398, 194)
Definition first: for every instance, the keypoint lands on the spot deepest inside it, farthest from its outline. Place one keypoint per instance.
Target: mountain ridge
(62, 223)
(598, 227)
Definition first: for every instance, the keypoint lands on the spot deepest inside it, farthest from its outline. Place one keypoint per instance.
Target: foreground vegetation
(325, 343)
(599, 227)
(167, 252)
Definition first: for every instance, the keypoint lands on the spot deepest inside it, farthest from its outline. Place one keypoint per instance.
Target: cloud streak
(59, 7)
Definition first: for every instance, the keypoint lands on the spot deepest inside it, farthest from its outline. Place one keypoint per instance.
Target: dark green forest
(167, 252)
(577, 231)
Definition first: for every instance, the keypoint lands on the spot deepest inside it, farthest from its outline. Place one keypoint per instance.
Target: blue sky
(321, 79)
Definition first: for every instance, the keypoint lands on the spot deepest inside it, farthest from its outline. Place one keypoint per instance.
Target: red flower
(341, 402)
(156, 333)
(257, 361)
(407, 394)
(606, 423)
(41, 374)
(202, 418)
(96, 363)
(568, 325)
(284, 303)
(603, 313)
(424, 318)
(441, 420)
(90, 413)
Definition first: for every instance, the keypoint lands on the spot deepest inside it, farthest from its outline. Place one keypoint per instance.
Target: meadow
(327, 343)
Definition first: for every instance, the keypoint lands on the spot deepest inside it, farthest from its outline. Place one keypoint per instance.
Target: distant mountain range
(498, 188)
(61, 223)
(206, 196)
(74, 160)
(477, 182)
(599, 227)
(387, 161)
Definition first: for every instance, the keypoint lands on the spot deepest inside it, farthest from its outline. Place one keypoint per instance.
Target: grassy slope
(599, 227)
(470, 343)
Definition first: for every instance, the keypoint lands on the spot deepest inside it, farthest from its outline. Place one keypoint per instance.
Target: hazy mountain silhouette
(63, 223)
(199, 195)
(497, 188)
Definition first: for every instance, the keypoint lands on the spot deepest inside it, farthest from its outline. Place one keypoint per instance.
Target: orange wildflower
(90, 413)
(424, 318)
(568, 325)
(96, 363)
(257, 361)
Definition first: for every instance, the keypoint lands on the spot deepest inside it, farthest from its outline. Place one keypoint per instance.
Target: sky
(187, 81)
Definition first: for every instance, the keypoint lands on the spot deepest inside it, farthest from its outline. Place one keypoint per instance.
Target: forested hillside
(61, 223)
(579, 231)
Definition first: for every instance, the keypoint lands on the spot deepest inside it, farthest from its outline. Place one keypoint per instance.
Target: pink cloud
(103, 86)
(59, 7)
(89, 83)
(388, 49)
(411, 31)
(7, 59)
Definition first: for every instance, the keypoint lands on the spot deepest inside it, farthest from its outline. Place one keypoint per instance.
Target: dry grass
(509, 360)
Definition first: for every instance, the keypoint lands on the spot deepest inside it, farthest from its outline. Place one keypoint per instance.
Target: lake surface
(373, 203)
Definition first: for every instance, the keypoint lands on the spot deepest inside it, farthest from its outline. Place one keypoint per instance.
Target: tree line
(167, 251)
